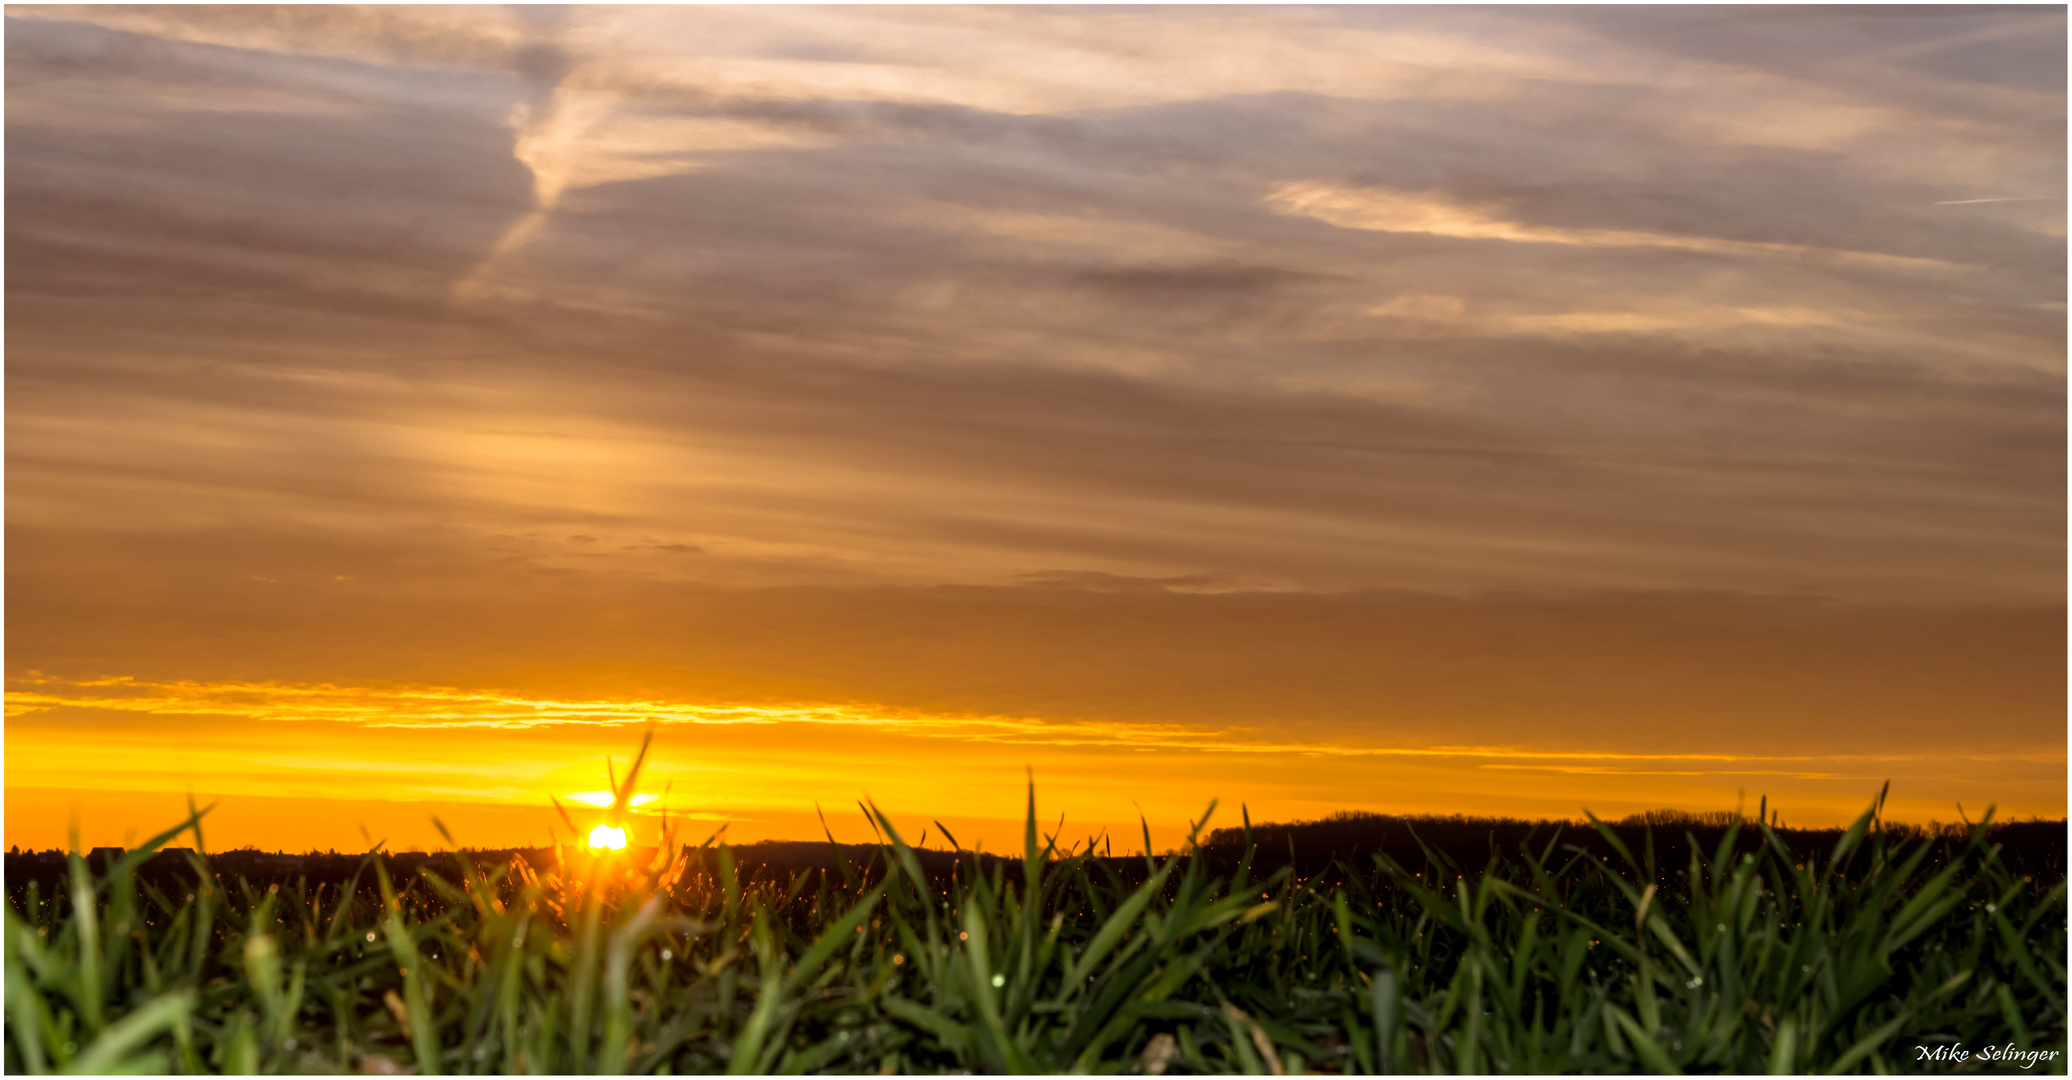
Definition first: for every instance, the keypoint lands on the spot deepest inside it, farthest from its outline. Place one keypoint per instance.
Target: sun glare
(606, 837)
(602, 799)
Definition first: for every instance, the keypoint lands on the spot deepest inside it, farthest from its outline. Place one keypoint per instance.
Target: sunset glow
(608, 838)
(1424, 410)
(604, 798)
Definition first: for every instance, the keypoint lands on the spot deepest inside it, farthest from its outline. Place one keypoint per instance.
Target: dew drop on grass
(370, 935)
(999, 981)
(668, 955)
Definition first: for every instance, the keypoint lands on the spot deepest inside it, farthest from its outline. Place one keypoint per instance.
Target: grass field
(1745, 956)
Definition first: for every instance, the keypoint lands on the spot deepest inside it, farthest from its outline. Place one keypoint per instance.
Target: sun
(608, 837)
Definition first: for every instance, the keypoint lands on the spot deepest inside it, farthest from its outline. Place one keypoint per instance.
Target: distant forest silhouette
(1471, 843)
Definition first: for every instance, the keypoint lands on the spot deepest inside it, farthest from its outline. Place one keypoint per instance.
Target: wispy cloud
(1385, 210)
(445, 707)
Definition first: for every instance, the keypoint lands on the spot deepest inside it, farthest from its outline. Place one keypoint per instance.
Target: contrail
(2010, 198)
(546, 143)
(547, 131)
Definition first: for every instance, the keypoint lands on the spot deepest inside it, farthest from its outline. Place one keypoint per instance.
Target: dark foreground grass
(1747, 956)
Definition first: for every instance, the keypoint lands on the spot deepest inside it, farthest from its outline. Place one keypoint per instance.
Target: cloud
(1283, 299)
(424, 36)
(1384, 210)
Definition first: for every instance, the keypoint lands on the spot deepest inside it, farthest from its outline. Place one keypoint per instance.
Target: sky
(1406, 409)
